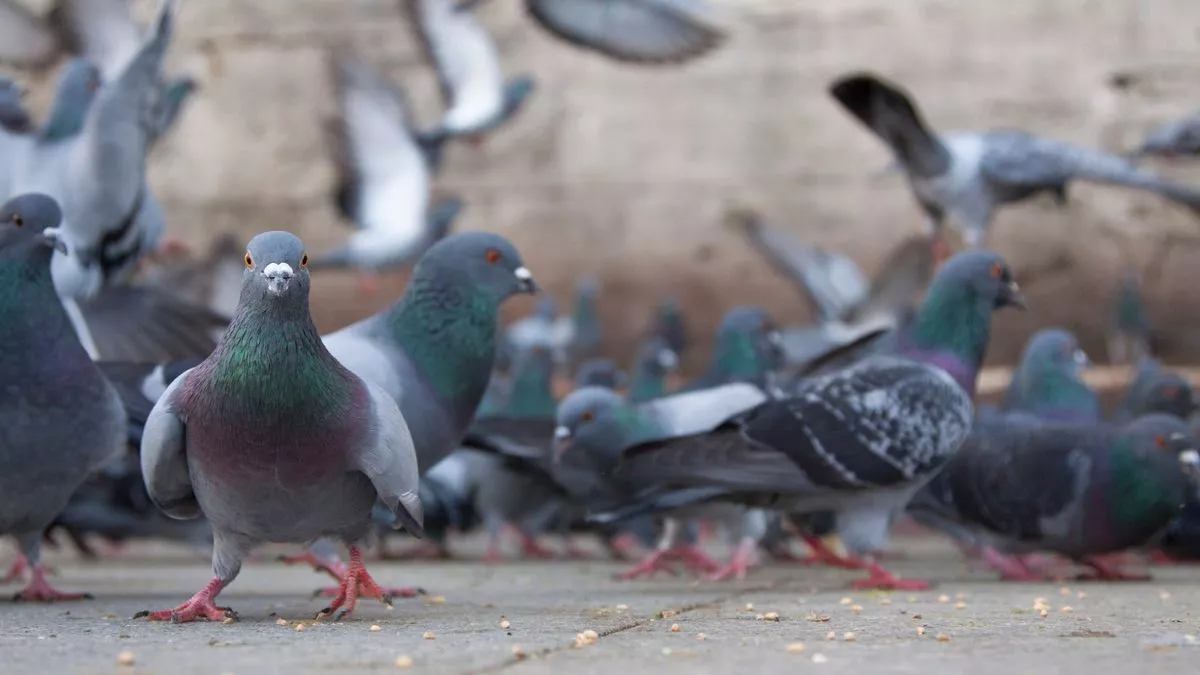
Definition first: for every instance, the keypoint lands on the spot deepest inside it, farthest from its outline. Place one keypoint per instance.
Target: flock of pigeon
(200, 404)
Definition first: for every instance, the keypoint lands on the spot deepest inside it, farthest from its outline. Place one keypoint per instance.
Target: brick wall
(624, 172)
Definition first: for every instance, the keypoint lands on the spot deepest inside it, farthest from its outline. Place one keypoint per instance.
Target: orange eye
(997, 270)
(304, 260)
(17, 220)
(1161, 441)
(493, 256)
(587, 416)
(249, 260)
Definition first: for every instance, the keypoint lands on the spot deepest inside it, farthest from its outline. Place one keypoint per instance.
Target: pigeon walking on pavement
(59, 418)
(966, 176)
(273, 440)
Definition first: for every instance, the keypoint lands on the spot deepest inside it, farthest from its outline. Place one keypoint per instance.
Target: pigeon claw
(530, 548)
(881, 579)
(334, 568)
(658, 561)
(1109, 569)
(201, 606)
(39, 590)
(743, 560)
(357, 582)
(16, 571)
(1011, 568)
(821, 554)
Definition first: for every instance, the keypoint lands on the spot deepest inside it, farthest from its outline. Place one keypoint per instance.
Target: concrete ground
(968, 624)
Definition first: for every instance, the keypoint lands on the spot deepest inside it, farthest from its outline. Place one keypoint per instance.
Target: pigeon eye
(998, 271)
(17, 220)
(1170, 392)
(493, 256)
(587, 416)
(304, 260)
(1161, 441)
(249, 260)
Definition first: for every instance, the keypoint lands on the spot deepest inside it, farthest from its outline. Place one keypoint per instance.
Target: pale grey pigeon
(1181, 137)
(635, 31)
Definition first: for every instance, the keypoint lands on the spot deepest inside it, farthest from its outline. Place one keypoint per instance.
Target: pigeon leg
(530, 548)
(320, 563)
(1160, 557)
(40, 590)
(695, 559)
(658, 561)
(202, 605)
(622, 547)
(1108, 569)
(357, 582)
(1011, 568)
(743, 559)
(16, 571)
(822, 555)
(327, 561)
(882, 579)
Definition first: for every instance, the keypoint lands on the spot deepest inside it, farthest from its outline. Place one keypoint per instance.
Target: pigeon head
(1166, 440)
(599, 372)
(487, 262)
(748, 346)
(1049, 380)
(276, 268)
(589, 419)
(29, 227)
(77, 88)
(980, 276)
(13, 117)
(1167, 393)
(1057, 349)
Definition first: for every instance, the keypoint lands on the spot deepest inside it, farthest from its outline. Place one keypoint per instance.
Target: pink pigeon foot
(1109, 569)
(822, 555)
(622, 547)
(696, 560)
(16, 571)
(40, 590)
(357, 583)
(1161, 557)
(530, 548)
(884, 580)
(202, 605)
(1011, 568)
(331, 566)
(658, 561)
(743, 559)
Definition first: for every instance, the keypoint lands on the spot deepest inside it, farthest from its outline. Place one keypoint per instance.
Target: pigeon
(654, 361)
(59, 418)
(384, 175)
(1082, 491)
(747, 349)
(643, 32)
(478, 100)
(1129, 333)
(967, 175)
(1155, 389)
(1049, 384)
(595, 426)
(14, 119)
(274, 440)
(1181, 540)
(1181, 137)
(669, 324)
(859, 442)
(586, 335)
(600, 372)
(544, 328)
(572, 338)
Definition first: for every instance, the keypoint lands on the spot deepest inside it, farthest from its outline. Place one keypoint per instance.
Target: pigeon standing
(654, 361)
(477, 98)
(384, 176)
(634, 31)
(967, 175)
(274, 440)
(59, 418)
(1048, 383)
(747, 349)
(1129, 333)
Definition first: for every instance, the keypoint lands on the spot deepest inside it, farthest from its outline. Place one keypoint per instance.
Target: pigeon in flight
(1181, 137)
(643, 32)
(967, 175)
(14, 119)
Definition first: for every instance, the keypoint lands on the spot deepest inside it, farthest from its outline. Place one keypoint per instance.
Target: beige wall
(623, 172)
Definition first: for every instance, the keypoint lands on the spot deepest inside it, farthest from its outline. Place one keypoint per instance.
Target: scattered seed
(1043, 612)
(1164, 596)
(847, 601)
(770, 616)
(228, 620)
(831, 636)
(856, 608)
(517, 652)
(849, 637)
(817, 618)
(505, 624)
(819, 658)
(942, 637)
(622, 608)
(375, 628)
(1067, 609)
(429, 635)
(960, 605)
(667, 613)
(300, 628)
(943, 598)
(281, 622)
(885, 600)
(749, 607)
(920, 630)
(435, 599)
(701, 637)
(1080, 595)
(1064, 591)
(674, 628)
(795, 648)
(591, 634)
(125, 659)
(404, 661)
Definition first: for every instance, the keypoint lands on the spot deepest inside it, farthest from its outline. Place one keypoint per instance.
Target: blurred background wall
(624, 173)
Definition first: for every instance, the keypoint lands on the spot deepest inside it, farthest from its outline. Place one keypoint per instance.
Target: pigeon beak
(562, 441)
(525, 282)
(1012, 297)
(54, 239)
(279, 277)
(1190, 461)
(1081, 359)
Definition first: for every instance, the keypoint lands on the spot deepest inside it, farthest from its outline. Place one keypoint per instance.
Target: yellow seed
(831, 636)
(125, 659)
(771, 616)
(228, 620)
(404, 661)
(701, 637)
(1043, 612)
(622, 608)
(942, 637)
(820, 658)
(749, 607)
(847, 601)
(943, 598)
(817, 618)
(517, 652)
(504, 624)
(960, 605)
(435, 599)
(429, 635)
(1067, 610)
(849, 637)
(300, 628)
(885, 600)
(375, 628)
(590, 634)
(795, 648)
(281, 622)
(856, 608)
(920, 630)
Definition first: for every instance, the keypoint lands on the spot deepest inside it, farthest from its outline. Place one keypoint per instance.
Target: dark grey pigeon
(1082, 491)
(600, 372)
(1129, 333)
(384, 174)
(636, 31)
(654, 361)
(967, 175)
(1181, 137)
(1048, 382)
(477, 98)
(273, 440)
(59, 418)
(1157, 390)
(14, 119)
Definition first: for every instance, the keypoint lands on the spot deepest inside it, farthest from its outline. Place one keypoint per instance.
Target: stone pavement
(968, 624)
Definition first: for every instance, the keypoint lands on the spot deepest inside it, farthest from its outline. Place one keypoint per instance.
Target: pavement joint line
(657, 616)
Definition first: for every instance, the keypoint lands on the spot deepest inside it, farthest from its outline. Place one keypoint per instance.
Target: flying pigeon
(59, 418)
(384, 175)
(274, 440)
(14, 119)
(644, 32)
(478, 99)
(967, 175)
(1082, 491)
(1048, 382)
(1181, 137)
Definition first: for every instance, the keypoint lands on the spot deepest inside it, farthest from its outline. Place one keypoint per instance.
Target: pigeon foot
(821, 554)
(1011, 568)
(1161, 557)
(884, 580)
(622, 547)
(1108, 569)
(331, 566)
(202, 605)
(696, 559)
(16, 571)
(658, 561)
(40, 590)
(743, 559)
(530, 548)
(356, 583)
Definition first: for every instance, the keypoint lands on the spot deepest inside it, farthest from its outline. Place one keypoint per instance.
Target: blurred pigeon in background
(635, 31)
(600, 372)
(1181, 137)
(653, 362)
(1157, 390)
(1048, 382)
(1129, 333)
(14, 119)
(669, 324)
(746, 349)
(59, 418)
(967, 175)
